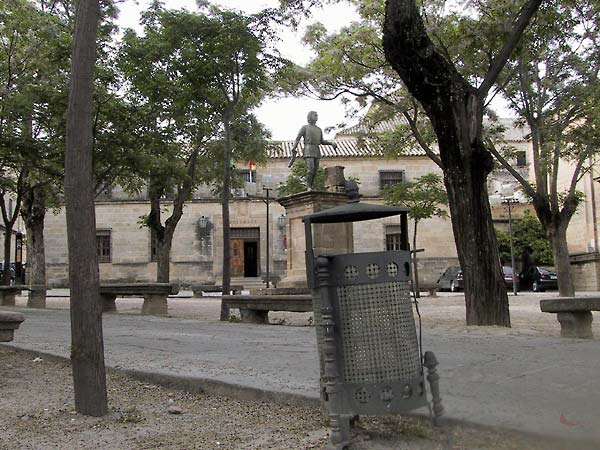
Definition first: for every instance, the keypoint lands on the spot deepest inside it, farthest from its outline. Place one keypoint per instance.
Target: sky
(282, 116)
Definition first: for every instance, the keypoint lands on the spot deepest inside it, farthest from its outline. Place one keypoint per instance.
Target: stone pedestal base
(8, 298)
(108, 303)
(155, 305)
(327, 238)
(37, 297)
(575, 324)
(9, 322)
(251, 316)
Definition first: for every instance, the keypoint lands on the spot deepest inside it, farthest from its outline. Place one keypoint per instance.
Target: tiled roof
(346, 148)
(381, 127)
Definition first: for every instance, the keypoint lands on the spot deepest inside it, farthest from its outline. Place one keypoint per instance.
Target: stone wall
(586, 271)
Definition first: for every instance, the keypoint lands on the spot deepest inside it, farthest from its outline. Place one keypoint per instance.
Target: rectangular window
(247, 175)
(390, 177)
(392, 237)
(521, 159)
(103, 245)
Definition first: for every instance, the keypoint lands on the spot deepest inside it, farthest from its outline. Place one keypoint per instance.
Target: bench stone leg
(251, 316)
(575, 324)
(9, 322)
(108, 302)
(155, 305)
(36, 298)
(7, 298)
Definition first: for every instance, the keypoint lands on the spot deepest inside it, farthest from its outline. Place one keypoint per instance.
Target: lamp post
(510, 201)
(267, 201)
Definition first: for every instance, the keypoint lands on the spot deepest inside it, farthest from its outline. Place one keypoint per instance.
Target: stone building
(126, 252)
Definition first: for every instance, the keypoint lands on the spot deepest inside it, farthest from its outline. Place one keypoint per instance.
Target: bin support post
(339, 437)
(431, 362)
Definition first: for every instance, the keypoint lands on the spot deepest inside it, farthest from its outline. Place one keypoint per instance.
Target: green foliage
(528, 236)
(296, 182)
(426, 197)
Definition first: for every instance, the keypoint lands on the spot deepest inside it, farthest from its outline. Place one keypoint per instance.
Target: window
(390, 177)
(247, 175)
(521, 159)
(103, 245)
(392, 237)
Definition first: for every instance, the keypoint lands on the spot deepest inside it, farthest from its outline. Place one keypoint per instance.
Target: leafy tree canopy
(528, 237)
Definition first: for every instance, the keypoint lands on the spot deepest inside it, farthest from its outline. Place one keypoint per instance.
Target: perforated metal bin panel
(377, 350)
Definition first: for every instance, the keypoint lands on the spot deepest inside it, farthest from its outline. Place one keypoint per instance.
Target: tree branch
(527, 12)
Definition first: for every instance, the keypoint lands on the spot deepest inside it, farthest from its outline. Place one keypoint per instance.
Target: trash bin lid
(354, 212)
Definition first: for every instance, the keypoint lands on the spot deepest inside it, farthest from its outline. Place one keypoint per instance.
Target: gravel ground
(37, 407)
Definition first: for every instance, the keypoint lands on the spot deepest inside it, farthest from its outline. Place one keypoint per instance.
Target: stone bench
(9, 322)
(431, 288)
(36, 298)
(255, 308)
(200, 289)
(154, 294)
(573, 313)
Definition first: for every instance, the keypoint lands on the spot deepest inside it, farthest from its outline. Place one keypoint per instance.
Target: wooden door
(237, 257)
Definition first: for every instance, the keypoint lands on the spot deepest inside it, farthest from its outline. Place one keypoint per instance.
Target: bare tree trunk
(33, 212)
(558, 236)
(7, 250)
(87, 347)
(225, 209)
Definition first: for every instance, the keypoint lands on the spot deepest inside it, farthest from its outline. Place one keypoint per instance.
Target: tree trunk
(33, 212)
(558, 236)
(8, 229)
(455, 109)
(87, 347)
(225, 209)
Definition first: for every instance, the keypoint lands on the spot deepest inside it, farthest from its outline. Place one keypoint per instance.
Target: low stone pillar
(251, 316)
(575, 324)
(8, 296)
(109, 302)
(327, 238)
(36, 297)
(155, 305)
(9, 322)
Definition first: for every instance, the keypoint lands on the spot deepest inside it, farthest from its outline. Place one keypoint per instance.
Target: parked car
(507, 272)
(451, 280)
(538, 279)
(12, 272)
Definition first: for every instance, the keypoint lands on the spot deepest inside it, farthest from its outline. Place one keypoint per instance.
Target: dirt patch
(38, 413)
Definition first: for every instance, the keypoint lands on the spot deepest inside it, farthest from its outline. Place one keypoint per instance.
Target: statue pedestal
(330, 239)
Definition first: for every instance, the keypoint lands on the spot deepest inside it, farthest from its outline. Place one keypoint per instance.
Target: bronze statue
(313, 137)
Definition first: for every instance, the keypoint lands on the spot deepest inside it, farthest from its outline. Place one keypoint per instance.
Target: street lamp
(281, 221)
(267, 201)
(506, 200)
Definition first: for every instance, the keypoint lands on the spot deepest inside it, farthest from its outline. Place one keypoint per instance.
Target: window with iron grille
(390, 177)
(103, 245)
(521, 159)
(392, 237)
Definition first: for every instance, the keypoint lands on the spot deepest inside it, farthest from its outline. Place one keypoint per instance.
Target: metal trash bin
(370, 356)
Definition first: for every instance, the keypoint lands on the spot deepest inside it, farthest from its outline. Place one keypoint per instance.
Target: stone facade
(197, 256)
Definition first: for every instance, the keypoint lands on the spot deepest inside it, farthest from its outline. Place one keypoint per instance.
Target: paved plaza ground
(510, 381)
